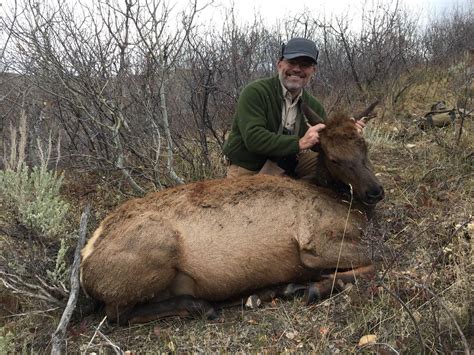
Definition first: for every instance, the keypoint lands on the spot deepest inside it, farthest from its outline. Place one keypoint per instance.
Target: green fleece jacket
(254, 135)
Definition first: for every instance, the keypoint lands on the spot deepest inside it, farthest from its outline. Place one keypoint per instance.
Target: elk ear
(312, 117)
(366, 114)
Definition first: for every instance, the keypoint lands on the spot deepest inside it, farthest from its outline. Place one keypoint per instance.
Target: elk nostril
(376, 193)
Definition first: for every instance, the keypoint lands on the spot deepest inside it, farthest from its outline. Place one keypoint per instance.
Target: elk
(183, 250)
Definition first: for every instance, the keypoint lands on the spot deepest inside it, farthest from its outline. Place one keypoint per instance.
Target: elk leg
(335, 283)
(283, 291)
(294, 290)
(267, 295)
(183, 306)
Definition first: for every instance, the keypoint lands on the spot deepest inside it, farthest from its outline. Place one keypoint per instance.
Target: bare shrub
(446, 39)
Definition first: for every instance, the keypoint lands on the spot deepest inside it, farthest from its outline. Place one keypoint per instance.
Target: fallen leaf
(323, 330)
(368, 339)
(470, 228)
(291, 335)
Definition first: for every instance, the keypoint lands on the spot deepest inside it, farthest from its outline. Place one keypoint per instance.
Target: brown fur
(345, 157)
(217, 239)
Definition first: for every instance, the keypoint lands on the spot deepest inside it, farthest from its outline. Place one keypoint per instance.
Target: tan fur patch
(89, 247)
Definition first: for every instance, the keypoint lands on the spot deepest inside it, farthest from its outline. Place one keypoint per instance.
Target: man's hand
(311, 136)
(360, 124)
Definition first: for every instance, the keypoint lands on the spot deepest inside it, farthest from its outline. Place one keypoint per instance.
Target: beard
(292, 83)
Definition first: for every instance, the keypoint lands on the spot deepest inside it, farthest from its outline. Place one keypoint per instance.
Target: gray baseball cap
(300, 47)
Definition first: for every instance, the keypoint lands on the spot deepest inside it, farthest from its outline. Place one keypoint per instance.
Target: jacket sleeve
(252, 113)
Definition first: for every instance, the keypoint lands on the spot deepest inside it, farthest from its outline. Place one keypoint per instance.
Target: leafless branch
(407, 309)
(58, 335)
(446, 309)
(18, 286)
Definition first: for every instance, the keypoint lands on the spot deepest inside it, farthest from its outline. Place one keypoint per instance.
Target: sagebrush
(34, 195)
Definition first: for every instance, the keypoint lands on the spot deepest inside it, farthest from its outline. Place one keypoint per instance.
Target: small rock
(291, 334)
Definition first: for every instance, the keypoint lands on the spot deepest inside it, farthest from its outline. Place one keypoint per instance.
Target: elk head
(344, 155)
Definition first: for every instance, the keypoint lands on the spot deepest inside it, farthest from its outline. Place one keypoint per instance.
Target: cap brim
(297, 55)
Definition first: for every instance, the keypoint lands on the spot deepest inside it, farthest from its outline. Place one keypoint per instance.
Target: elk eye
(334, 161)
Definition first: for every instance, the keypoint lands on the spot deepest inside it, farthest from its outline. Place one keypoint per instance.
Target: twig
(438, 331)
(458, 139)
(450, 315)
(436, 168)
(13, 282)
(58, 335)
(95, 334)
(342, 239)
(401, 253)
(28, 313)
(62, 291)
(403, 304)
(441, 252)
(116, 348)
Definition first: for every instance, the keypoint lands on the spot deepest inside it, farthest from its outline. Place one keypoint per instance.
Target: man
(269, 124)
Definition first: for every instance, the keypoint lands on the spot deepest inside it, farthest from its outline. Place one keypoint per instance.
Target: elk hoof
(294, 290)
(124, 319)
(253, 302)
(211, 314)
(312, 295)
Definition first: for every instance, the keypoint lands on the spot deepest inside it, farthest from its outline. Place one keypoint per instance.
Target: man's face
(295, 73)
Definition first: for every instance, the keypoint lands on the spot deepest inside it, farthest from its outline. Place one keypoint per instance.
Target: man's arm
(252, 122)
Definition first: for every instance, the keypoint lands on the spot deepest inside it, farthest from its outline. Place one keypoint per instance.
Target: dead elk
(184, 249)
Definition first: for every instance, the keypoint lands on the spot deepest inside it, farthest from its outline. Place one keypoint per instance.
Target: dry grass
(420, 301)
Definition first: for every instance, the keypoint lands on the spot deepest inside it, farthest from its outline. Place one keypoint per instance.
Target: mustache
(296, 74)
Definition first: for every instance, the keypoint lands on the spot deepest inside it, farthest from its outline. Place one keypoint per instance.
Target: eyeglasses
(303, 63)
